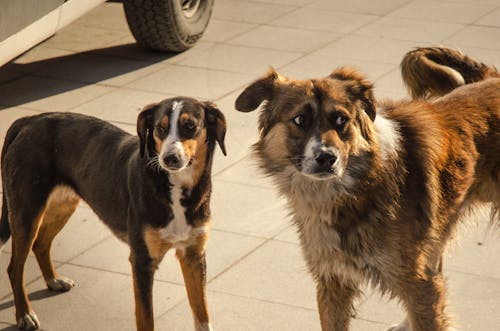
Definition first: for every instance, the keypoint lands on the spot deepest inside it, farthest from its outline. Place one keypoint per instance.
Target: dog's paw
(60, 284)
(28, 322)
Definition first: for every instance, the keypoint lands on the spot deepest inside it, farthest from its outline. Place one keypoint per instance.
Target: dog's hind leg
(24, 231)
(61, 204)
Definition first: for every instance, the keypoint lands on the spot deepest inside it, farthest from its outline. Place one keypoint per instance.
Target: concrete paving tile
(122, 105)
(475, 248)
(83, 38)
(223, 249)
(240, 126)
(303, 68)
(410, 29)
(49, 94)
(375, 307)
(235, 59)
(286, 39)
(241, 133)
(228, 312)
(443, 11)
(107, 16)
(492, 19)
(99, 301)
(297, 3)
(289, 235)
(477, 36)
(92, 68)
(247, 210)
(248, 12)
(318, 19)
(220, 30)
(473, 300)
(393, 82)
(127, 48)
(373, 7)
(275, 272)
(195, 82)
(246, 172)
(369, 49)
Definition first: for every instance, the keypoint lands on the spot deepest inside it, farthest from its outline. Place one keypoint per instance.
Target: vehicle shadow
(73, 71)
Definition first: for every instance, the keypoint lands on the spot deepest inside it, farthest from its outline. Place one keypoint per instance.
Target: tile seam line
(485, 14)
(262, 300)
(469, 274)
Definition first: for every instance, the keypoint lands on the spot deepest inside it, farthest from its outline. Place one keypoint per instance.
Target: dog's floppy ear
(358, 87)
(257, 92)
(216, 124)
(145, 124)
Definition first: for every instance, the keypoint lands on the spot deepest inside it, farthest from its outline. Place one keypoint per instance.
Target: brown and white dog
(377, 189)
(152, 191)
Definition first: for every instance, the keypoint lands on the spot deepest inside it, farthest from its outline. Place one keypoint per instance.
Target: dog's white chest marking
(178, 229)
(178, 232)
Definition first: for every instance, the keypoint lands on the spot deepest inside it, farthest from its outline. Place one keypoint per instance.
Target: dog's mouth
(313, 171)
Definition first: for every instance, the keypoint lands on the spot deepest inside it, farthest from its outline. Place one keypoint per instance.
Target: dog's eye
(161, 130)
(189, 125)
(299, 120)
(340, 121)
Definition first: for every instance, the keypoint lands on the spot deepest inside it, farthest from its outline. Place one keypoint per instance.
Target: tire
(163, 25)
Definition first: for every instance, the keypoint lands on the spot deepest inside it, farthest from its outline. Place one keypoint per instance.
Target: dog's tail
(12, 133)
(435, 71)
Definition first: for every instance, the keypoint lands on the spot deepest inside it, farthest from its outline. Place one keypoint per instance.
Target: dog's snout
(172, 160)
(326, 160)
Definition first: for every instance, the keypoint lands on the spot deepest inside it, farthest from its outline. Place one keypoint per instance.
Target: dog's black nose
(326, 160)
(172, 160)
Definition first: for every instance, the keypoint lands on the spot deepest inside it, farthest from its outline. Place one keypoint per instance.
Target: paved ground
(256, 276)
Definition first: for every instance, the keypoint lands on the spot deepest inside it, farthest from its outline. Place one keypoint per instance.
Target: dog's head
(317, 126)
(177, 128)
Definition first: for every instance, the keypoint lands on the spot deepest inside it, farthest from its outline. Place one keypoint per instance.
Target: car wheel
(168, 25)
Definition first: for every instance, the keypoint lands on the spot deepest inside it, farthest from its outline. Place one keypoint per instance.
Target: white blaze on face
(173, 145)
(312, 150)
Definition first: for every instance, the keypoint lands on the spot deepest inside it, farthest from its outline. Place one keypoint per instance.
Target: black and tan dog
(377, 189)
(153, 192)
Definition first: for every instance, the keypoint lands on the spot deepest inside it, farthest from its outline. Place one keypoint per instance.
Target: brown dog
(377, 190)
(152, 191)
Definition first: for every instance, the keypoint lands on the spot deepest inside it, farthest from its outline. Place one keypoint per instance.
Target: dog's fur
(152, 191)
(435, 71)
(377, 190)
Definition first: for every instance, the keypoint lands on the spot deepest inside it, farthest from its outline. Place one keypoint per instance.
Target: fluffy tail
(435, 71)
(12, 133)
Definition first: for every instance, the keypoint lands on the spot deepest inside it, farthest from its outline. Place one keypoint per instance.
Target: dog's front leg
(194, 270)
(335, 304)
(143, 273)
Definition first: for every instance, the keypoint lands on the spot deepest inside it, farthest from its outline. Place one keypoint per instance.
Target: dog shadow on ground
(35, 296)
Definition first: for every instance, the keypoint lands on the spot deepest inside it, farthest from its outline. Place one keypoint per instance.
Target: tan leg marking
(61, 204)
(193, 266)
(22, 241)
